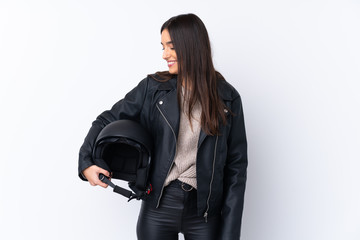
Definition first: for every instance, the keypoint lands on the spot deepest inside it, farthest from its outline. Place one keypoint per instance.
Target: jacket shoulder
(156, 82)
(226, 90)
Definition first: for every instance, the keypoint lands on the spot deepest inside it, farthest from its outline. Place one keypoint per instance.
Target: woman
(198, 170)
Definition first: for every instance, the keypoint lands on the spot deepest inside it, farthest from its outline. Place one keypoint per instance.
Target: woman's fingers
(92, 175)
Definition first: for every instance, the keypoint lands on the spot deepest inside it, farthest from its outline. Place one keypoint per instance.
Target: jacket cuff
(85, 166)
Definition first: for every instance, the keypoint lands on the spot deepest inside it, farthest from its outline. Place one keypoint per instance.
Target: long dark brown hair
(196, 71)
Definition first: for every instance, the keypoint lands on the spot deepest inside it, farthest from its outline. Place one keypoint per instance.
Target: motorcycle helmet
(124, 148)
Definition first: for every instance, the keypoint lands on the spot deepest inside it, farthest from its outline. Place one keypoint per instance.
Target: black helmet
(123, 148)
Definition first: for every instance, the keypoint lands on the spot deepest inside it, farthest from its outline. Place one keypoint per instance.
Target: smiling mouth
(171, 63)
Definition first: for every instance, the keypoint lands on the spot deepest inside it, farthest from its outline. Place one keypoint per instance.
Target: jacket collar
(223, 88)
(168, 85)
(170, 107)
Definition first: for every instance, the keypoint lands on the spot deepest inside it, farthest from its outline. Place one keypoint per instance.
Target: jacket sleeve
(129, 107)
(234, 175)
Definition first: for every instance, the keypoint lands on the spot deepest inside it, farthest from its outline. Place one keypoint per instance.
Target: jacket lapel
(225, 95)
(202, 136)
(168, 105)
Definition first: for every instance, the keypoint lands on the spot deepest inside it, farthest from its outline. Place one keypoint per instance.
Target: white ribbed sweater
(184, 167)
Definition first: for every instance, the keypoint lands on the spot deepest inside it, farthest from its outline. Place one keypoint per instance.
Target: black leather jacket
(221, 160)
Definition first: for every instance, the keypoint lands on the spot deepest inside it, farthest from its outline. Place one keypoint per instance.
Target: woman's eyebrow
(167, 43)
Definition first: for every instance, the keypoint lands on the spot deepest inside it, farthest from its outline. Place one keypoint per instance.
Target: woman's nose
(165, 54)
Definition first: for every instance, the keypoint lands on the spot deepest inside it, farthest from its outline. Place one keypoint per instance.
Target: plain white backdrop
(296, 65)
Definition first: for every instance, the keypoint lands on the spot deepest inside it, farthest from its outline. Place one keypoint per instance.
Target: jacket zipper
(172, 163)
(211, 181)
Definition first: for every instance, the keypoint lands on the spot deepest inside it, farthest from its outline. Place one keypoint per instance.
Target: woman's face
(169, 54)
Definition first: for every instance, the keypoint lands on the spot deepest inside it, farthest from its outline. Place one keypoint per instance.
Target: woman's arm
(128, 108)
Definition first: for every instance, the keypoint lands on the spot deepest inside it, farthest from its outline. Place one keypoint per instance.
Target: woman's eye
(171, 48)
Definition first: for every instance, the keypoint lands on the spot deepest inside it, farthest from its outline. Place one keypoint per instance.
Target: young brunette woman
(198, 168)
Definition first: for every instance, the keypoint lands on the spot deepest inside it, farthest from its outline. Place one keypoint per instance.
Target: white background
(296, 65)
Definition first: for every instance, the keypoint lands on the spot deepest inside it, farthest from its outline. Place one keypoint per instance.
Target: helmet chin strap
(117, 189)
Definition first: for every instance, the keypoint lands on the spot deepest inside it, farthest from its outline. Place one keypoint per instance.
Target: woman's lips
(171, 63)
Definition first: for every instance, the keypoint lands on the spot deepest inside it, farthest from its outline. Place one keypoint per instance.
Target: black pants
(177, 213)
